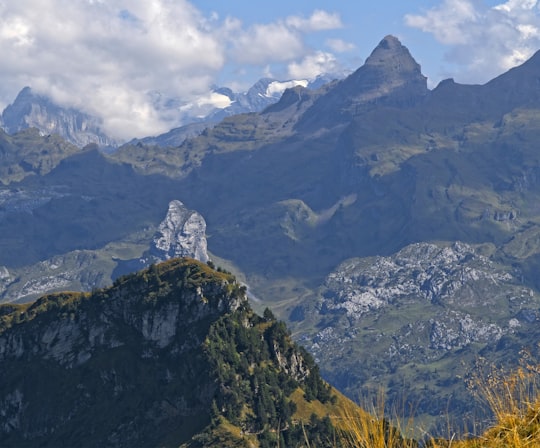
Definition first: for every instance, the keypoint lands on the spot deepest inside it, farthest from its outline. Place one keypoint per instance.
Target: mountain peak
(392, 55)
(34, 110)
(25, 93)
(389, 70)
(390, 75)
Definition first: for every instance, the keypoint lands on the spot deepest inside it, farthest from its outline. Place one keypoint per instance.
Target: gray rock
(445, 276)
(30, 110)
(181, 234)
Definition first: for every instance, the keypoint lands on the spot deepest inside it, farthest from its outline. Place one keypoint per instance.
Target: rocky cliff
(180, 234)
(30, 110)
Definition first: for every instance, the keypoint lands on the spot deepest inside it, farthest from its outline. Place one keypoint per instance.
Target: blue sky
(364, 24)
(123, 59)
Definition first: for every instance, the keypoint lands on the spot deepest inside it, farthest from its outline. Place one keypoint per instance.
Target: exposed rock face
(181, 234)
(423, 306)
(466, 297)
(446, 276)
(34, 111)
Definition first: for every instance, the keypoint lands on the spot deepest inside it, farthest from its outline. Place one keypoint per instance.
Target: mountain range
(394, 227)
(33, 110)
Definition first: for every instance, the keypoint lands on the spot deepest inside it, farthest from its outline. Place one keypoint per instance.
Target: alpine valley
(396, 229)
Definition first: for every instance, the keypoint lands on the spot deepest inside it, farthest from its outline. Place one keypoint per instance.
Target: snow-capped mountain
(222, 102)
(188, 118)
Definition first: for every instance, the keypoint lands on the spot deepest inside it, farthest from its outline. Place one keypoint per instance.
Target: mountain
(262, 94)
(366, 167)
(344, 189)
(389, 77)
(168, 356)
(31, 110)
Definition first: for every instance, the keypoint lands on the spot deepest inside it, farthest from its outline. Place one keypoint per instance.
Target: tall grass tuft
(363, 429)
(514, 401)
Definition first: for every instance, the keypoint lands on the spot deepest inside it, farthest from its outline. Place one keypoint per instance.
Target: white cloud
(279, 41)
(109, 57)
(277, 88)
(104, 57)
(313, 65)
(266, 42)
(340, 46)
(484, 41)
(318, 21)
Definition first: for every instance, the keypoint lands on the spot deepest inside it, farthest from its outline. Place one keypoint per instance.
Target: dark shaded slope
(87, 201)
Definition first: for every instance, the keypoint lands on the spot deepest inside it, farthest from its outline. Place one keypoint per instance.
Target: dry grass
(514, 400)
(361, 429)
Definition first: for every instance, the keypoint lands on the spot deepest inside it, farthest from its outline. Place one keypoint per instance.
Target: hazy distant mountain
(263, 93)
(30, 110)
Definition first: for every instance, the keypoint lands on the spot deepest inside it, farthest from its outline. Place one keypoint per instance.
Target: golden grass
(363, 429)
(514, 400)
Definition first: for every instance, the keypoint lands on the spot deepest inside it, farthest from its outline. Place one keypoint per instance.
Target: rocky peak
(31, 110)
(391, 54)
(390, 67)
(390, 76)
(180, 234)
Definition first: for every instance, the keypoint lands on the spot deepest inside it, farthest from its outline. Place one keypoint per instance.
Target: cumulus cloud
(264, 42)
(313, 65)
(318, 21)
(339, 45)
(113, 58)
(484, 41)
(280, 41)
(104, 57)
